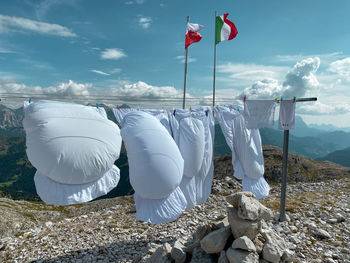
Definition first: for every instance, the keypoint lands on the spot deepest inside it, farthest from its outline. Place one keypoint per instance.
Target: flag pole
(185, 78)
(214, 61)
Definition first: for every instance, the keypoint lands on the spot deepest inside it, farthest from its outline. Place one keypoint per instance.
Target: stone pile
(244, 235)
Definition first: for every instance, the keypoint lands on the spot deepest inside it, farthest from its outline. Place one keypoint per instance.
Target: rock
(288, 256)
(190, 247)
(199, 256)
(221, 223)
(161, 255)
(237, 255)
(222, 257)
(240, 227)
(321, 233)
(339, 217)
(274, 247)
(233, 199)
(244, 243)
(259, 243)
(248, 208)
(178, 252)
(215, 241)
(202, 231)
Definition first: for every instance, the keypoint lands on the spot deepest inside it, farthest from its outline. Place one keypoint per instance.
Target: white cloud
(298, 81)
(100, 72)
(326, 58)
(319, 108)
(189, 59)
(5, 51)
(144, 22)
(245, 74)
(143, 90)
(115, 70)
(43, 7)
(69, 88)
(18, 24)
(140, 2)
(129, 2)
(113, 53)
(301, 78)
(266, 88)
(341, 67)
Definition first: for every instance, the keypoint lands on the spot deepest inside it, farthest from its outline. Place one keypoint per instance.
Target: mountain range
(16, 172)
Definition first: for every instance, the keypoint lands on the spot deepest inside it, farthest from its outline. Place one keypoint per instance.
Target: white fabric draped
(247, 155)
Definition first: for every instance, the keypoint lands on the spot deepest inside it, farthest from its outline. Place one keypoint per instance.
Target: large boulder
(241, 256)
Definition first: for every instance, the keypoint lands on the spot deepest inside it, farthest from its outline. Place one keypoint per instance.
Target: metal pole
(214, 61)
(285, 166)
(284, 176)
(184, 98)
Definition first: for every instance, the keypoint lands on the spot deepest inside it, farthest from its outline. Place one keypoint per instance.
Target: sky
(134, 50)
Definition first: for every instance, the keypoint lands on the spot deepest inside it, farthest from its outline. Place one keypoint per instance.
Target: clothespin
(206, 113)
(30, 100)
(276, 99)
(118, 107)
(97, 105)
(190, 109)
(174, 112)
(281, 98)
(294, 99)
(245, 98)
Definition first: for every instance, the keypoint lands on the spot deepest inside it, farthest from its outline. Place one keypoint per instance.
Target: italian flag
(225, 29)
(192, 34)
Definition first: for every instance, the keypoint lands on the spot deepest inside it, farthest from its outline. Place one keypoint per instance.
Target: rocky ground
(317, 227)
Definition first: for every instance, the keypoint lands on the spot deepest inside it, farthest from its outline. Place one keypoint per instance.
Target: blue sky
(135, 48)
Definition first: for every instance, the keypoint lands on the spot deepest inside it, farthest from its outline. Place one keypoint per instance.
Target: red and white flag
(192, 34)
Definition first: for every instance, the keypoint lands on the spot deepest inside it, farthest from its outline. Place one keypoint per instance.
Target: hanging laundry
(55, 193)
(287, 115)
(155, 168)
(161, 115)
(194, 134)
(74, 148)
(247, 155)
(259, 113)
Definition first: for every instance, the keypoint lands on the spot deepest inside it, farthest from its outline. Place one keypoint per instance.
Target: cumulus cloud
(143, 90)
(298, 81)
(138, 93)
(113, 53)
(100, 72)
(319, 108)
(144, 22)
(341, 67)
(20, 24)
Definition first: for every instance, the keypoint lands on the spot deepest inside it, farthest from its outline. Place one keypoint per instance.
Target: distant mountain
(328, 127)
(11, 122)
(341, 157)
(339, 138)
(310, 147)
(302, 129)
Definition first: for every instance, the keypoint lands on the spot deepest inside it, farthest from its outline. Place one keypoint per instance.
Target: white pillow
(155, 162)
(70, 143)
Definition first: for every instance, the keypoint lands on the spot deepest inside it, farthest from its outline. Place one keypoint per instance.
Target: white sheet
(247, 155)
(259, 113)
